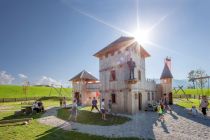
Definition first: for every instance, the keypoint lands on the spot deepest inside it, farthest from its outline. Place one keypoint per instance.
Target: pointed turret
(166, 80)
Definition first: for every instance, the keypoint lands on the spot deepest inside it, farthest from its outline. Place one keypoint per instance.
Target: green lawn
(188, 104)
(195, 92)
(12, 91)
(37, 131)
(87, 117)
(48, 101)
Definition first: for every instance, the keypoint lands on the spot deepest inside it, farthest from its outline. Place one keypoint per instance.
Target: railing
(88, 87)
(93, 86)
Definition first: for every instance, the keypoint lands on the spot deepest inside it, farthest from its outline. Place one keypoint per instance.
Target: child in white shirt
(194, 111)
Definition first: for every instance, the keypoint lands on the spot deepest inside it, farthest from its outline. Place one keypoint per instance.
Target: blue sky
(57, 38)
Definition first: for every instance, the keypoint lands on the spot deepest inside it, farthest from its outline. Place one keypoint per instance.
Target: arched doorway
(140, 101)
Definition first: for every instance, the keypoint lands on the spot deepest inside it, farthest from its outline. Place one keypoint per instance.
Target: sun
(141, 36)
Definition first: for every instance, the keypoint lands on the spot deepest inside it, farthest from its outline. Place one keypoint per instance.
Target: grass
(188, 104)
(87, 117)
(53, 101)
(12, 91)
(37, 131)
(42, 132)
(195, 92)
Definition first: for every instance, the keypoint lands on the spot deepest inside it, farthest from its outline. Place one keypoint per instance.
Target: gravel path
(179, 125)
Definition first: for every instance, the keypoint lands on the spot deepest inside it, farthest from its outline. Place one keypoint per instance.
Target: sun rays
(141, 35)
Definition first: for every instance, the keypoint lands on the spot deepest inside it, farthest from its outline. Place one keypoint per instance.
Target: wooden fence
(27, 99)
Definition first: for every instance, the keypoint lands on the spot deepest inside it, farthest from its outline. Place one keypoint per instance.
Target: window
(148, 96)
(139, 75)
(153, 96)
(113, 98)
(112, 75)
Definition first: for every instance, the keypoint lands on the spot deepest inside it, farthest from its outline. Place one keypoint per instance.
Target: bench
(16, 121)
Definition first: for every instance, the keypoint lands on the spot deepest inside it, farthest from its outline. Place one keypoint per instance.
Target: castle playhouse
(123, 79)
(85, 87)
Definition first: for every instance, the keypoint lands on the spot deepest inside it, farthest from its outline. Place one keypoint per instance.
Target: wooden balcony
(93, 87)
(131, 81)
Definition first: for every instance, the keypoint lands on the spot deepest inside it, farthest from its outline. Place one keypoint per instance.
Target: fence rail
(26, 99)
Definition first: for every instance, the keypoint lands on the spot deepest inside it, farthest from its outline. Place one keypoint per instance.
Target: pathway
(179, 125)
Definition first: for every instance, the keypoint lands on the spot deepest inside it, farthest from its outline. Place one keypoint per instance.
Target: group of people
(203, 107)
(38, 106)
(63, 102)
(163, 106)
(103, 110)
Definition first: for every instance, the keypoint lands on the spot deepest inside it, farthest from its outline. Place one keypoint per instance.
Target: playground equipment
(26, 85)
(59, 91)
(177, 89)
(200, 78)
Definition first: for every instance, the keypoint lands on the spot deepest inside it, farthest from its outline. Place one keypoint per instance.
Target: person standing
(64, 101)
(74, 110)
(103, 111)
(204, 105)
(165, 104)
(94, 104)
(109, 106)
(61, 102)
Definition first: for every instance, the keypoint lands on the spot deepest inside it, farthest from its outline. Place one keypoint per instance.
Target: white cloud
(48, 81)
(5, 78)
(22, 76)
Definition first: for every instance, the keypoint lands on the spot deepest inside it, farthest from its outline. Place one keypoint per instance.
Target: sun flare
(141, 36)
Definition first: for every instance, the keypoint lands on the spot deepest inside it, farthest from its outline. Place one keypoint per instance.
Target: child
(194, 111)
(103, 112)
(64, 101)
(110, 106)
(74, 111)
(160, 112)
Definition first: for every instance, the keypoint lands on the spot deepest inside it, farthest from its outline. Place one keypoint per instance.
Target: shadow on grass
(185, 113)
(87, 117)
(58, 133)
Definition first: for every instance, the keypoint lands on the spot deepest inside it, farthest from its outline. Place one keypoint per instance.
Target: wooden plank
(16, 120)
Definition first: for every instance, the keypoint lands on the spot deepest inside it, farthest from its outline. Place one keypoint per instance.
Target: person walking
(103, 111)
(94, 104)
(74, 113)
(160, 112)
(165, 104)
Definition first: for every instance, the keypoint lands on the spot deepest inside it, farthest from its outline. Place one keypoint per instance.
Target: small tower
(166, 79)
(85, 88)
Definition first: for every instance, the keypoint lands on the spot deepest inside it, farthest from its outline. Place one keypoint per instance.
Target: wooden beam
(16, 120)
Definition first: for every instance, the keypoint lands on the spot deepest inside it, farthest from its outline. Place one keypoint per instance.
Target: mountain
(176, 82)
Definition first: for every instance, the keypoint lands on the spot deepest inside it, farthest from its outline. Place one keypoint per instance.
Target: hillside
(12, 91)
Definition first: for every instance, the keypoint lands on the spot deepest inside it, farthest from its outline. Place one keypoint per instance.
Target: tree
(201, 82)
(196, 74)
(191, 75)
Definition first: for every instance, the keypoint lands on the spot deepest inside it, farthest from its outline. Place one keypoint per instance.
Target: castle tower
(122, 76)
(166, 79)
